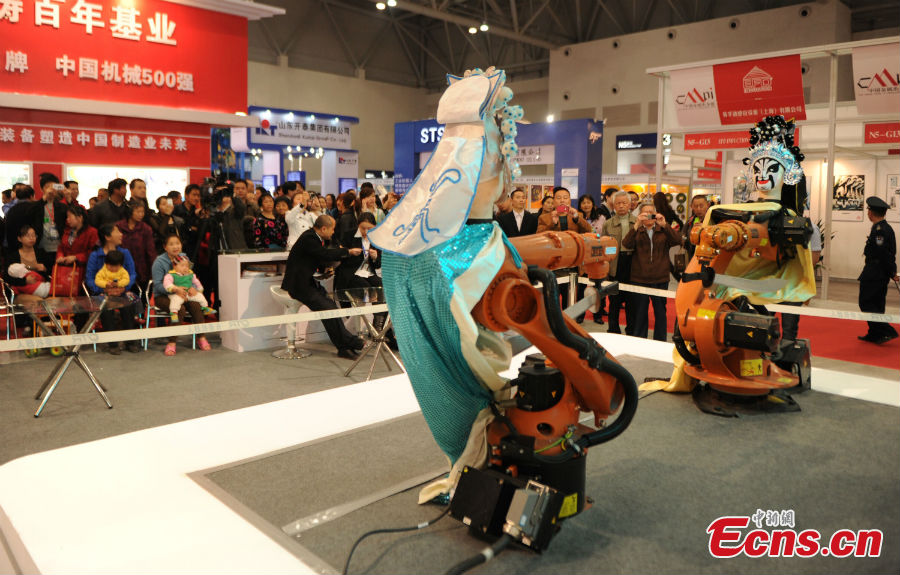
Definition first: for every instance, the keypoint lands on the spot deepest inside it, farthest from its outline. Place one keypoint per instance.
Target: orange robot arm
(595, 382)
(722, 344)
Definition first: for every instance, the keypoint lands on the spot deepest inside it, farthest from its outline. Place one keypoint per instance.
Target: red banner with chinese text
(139, 52)
(717, 140)
(882, 133)
(723, 141)
(59, 137)
(748, 91)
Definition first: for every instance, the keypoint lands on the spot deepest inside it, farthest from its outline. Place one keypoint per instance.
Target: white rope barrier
(214, 327)
(190, 329)
(796, 310)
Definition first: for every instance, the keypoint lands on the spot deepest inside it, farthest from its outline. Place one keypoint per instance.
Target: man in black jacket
(308, 255)
(112, 209)
(232, 210)
(19, 215)
(518, 221)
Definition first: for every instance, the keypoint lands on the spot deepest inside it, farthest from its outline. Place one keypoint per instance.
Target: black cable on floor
(392, 530)
(486, 555)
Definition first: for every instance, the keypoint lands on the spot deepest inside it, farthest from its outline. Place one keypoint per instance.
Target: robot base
(723, 404)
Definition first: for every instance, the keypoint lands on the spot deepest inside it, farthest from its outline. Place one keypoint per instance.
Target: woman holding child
(164, 264)
(113, 275)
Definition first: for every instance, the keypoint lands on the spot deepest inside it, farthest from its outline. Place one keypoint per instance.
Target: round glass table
(52, 309)
(377, 331)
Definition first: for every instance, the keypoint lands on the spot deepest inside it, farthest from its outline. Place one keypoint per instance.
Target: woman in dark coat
(137, 238)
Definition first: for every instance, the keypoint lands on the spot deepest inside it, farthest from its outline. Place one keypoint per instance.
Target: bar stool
(291, 306)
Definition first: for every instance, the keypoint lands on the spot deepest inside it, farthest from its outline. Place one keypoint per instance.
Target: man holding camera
(49, 217)
(565, 218)
(650, 238)
(232, 209)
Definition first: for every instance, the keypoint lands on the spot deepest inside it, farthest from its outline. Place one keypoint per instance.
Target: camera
(212, 191)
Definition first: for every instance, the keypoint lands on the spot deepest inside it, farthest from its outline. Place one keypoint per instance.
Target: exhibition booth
(284, 145)
(566, 153)
(100, 91)
(851, 147)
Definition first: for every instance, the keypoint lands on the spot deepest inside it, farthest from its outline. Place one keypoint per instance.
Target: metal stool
(291, 306)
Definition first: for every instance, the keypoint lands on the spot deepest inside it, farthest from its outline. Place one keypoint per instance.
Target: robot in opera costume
(748, 255)
(443, 263)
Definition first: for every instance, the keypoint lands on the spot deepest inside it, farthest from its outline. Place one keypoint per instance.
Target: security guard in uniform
(880, 268)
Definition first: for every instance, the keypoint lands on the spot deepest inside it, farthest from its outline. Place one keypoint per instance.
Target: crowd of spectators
(58, 230)
(646, 231)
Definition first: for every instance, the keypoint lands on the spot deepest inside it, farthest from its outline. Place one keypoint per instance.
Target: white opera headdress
(773, 137)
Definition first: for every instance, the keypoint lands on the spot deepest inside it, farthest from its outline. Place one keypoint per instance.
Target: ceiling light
(391, 3)
(311, 117)
(380, 6)
(484, 27)
(240, 113)
(550, 118)
(472, 29)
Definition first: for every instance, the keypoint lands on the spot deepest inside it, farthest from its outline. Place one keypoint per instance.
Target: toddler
(35, 284)
(113, 273)
(181, 276)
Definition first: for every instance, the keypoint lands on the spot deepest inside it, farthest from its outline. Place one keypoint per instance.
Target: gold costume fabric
(797, 272)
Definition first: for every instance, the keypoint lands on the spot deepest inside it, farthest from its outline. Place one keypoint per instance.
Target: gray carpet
(309, 480)
(656, 488)
(149, 389)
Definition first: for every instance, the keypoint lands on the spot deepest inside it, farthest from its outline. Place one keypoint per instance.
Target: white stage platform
(127, 504)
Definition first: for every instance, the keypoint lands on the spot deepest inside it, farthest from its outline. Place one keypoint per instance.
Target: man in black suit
(309, 254)
(518, 221)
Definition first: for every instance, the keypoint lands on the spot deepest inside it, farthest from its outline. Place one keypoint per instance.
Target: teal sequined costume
(418, 290)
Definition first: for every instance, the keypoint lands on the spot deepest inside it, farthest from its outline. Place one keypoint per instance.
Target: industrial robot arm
(725, 343)
(592, 380)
